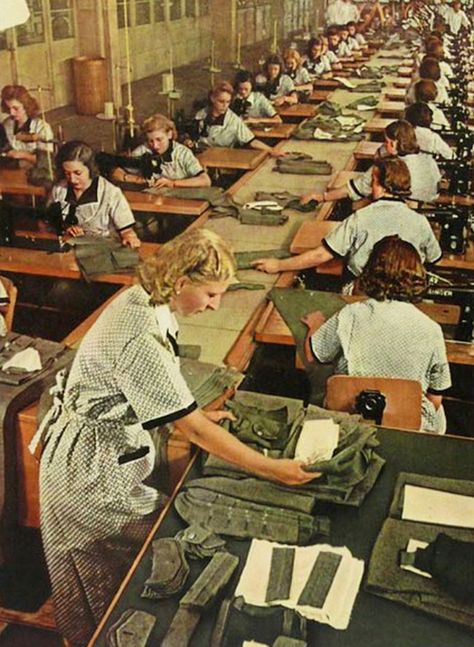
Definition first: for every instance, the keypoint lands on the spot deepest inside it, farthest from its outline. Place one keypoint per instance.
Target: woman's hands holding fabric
(291, 472)
(319, 197)
(268, 265)
(130, 239)
(219, 416)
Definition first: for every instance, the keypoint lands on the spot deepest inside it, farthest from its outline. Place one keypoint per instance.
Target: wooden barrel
(90, 84)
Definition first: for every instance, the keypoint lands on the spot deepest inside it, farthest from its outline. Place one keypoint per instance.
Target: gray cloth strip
(132, 629)
(319, 582)
(182, 627)
(281, 572)
(211, 581)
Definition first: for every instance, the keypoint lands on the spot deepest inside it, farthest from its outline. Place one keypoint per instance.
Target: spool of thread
(167, 82)
(109, 111)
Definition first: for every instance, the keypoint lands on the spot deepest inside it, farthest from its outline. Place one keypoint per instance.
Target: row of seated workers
(126, 372)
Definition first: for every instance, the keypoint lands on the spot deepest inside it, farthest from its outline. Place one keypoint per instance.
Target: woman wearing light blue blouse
(217, 125)
(387, 335)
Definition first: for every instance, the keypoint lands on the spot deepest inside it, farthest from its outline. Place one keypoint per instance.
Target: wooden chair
(9, 310)
(403, 398)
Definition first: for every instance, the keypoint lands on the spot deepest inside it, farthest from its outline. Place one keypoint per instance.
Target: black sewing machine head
(454, 228)
(370, 403)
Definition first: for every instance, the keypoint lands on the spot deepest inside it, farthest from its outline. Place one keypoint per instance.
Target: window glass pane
(175, 9)
(159, 10)
(62, 19)
(190, 8)
(121, 13)
(3, 40)
(142, 12)
(33, 29)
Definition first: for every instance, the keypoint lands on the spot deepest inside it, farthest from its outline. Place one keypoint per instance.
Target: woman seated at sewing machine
(400, 140)
(295, 70)
(316, 62)
(354, 238)
(249, 105)
(217, 125)
(386, 335)
(420, 116)
(275, 84)
(23, 132)
(171, 164)
(85, 202)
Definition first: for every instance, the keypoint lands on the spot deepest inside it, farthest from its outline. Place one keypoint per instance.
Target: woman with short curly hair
(386, 335)
(23, 132)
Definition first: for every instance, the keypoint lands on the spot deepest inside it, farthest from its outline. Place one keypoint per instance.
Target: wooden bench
(297, 112)
(366, 150)
(392, 108)
(377, 125)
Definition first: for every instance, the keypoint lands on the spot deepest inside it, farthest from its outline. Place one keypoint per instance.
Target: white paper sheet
(437, 507)
(345, 82)
(28, 359)
(339, 602)
(318, 440)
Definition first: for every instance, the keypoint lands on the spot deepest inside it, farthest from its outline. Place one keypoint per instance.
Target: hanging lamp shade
(14, 12)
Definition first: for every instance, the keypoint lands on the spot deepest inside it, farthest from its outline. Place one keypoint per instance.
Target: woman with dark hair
(125, 384)
(386, 335)
(430, 69)
(23, 132)
(420, 116)
(249, 104)
(98, 207)
(425, 91)
(275, 84)
(400, 141)
(354, 238)
(317, 64)
(217, 125)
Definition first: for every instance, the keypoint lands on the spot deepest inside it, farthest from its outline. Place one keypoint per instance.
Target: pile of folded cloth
(344, 127)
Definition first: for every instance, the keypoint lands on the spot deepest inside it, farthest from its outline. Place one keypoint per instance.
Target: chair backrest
(12, 293)
(403, 398)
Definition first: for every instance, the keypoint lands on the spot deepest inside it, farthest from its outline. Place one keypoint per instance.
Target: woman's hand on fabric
(268, 265)
(275, 152)
(291, 472)
(163, 182)
(307, 197)
(313, 320)
(130, 239)
(74, 231)
(219, 416)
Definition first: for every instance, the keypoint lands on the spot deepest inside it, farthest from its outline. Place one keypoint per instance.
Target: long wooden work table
(246, 319)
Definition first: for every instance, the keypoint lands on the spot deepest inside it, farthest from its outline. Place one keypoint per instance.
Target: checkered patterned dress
(95, 509)
(388, 339)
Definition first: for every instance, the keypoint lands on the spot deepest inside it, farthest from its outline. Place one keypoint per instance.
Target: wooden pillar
(224, 29)
(97, 36)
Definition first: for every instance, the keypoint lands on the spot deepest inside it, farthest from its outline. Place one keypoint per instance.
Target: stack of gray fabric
(199, 542)
(387, 579)
(169, 571)
(229, 501)
(330, 129)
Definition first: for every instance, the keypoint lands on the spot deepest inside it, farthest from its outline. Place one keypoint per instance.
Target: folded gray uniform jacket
(368, 87)
(329, 109)
(346, 478)
(370, 101)
(244, 259)
(103, 256)
(228, 515)
(287, 200)
(328, 125)
(386, 578)
(302, 167)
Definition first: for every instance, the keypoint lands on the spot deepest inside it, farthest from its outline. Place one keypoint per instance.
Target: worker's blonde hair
(200, 254)
(292, 55)
(159, 122)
